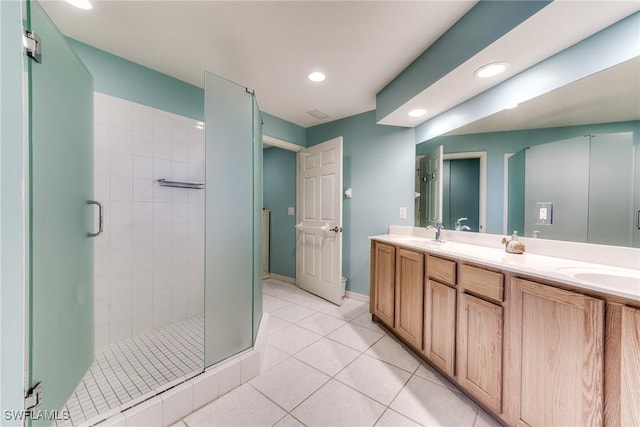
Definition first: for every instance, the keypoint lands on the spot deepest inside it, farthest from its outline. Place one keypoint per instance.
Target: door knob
(336, 229)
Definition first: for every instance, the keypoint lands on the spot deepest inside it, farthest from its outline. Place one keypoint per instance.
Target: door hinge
(32, 45)
(33, 398)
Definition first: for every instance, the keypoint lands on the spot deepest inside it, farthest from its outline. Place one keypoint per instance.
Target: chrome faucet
(460, 227)
(438, 227)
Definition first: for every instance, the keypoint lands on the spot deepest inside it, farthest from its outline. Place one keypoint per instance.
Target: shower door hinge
(33, 398)
(32, 45)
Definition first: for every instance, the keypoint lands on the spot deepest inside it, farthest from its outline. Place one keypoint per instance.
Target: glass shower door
(257, 217)
(233, 219)
(61, 252)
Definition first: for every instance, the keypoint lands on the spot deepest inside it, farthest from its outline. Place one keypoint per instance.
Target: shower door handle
(100, 218)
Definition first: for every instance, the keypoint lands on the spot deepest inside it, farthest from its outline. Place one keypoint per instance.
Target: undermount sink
(619, 279)
(410, 239)
(416, 240)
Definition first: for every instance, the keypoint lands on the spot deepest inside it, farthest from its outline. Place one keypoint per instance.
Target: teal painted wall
(496, 144)
(119, 77)
(378, 165)
(124, 79)
(279, 182)
(13, 211)
(284, 130)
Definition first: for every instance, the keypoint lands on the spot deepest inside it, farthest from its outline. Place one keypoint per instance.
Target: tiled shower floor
(128, 371)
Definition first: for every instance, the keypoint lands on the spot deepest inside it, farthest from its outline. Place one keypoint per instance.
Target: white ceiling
(271, 46)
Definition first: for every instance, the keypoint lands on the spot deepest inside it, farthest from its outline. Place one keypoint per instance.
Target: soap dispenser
(513, 246)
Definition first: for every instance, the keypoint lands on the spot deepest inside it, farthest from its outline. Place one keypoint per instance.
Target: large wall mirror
(562, 166)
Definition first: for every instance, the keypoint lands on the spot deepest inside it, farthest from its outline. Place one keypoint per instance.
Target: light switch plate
(291, 211)
(544, 213)
(403, 213)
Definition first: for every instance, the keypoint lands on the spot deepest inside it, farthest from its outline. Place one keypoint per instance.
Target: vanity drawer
(440, 269)
(482, 282)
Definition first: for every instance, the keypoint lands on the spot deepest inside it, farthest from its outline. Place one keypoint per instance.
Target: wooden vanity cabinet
(440, 313)
(383, 278)
(622, 366)
(480, 335)
(532, 353)
(409, 296)
(559, 344)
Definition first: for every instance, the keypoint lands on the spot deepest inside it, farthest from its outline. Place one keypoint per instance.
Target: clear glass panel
(550, 178)
(516, 192)
(229, 219)
(61, 253)
(611, 214)
(257, 218)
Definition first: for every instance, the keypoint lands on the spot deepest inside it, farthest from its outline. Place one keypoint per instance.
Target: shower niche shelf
(180, 183)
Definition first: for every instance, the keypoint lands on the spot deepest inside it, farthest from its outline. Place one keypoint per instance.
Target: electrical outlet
(403, 213)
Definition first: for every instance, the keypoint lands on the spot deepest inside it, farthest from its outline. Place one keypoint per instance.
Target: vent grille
(318, 114)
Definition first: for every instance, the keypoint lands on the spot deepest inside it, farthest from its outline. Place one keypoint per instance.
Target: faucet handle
(461, 219)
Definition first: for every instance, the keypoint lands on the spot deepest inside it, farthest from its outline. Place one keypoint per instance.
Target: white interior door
(319, 221)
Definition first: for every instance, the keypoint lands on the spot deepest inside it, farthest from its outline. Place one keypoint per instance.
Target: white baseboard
(282, 278)
(357, 296)
(348, 294)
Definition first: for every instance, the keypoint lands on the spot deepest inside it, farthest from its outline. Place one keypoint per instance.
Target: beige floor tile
(374, 378)
(289, 383)
(321, 323)
(288, 421)
(243, 406)
(485, 420)
(293, 313)
(392, 351)
(272, 357)
(356, 337)
(327, 356)
(337, 405)
(276, 323)
(391, 418)
(364, 319)
(428, 373)
(431, 404)
(349, 310)
(292, 339)
(270, 303)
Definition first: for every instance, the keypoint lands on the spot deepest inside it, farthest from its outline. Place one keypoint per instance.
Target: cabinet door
(409, 296)
(622, 366)
(480, 350)
(561, 373)
(384, 277)
(440, 325)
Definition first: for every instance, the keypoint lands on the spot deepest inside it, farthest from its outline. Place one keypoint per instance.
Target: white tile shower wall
(149, 261)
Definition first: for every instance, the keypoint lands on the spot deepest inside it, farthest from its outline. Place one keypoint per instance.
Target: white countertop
(622, 282)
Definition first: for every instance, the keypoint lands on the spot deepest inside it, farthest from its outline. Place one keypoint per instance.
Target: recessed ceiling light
(491, 70)
(417, 112)
(81, 4)
(317, 76)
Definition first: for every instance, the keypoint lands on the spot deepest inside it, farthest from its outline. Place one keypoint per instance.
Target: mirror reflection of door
(461, 193)
(429, 200)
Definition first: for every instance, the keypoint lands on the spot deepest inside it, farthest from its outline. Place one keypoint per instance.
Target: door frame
(270, 141)
(482, 208)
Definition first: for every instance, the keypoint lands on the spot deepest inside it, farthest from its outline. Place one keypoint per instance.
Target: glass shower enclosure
(233, 212)
(62, 220)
